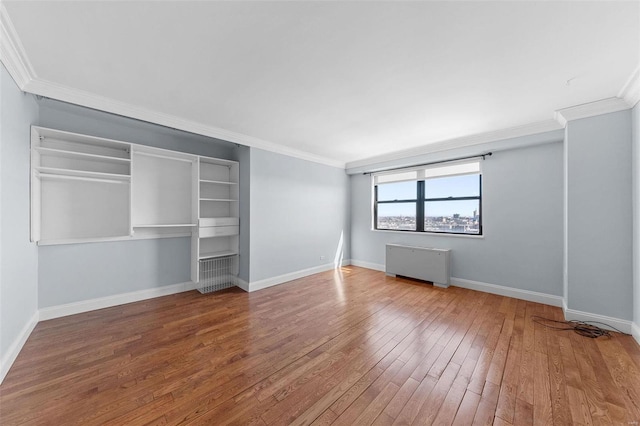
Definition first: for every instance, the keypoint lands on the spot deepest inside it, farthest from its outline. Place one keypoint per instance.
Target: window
(440, 199)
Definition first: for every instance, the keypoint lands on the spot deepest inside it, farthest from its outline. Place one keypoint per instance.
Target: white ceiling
(343, 81)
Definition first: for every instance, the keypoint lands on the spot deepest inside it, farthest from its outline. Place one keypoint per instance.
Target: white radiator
(428, 264)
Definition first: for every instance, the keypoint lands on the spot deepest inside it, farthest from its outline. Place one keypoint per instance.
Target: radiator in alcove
(217, 273)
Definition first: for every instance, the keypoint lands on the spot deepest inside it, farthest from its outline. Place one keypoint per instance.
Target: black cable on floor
(583, 328)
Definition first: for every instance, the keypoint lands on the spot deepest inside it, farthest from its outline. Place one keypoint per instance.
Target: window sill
(434, 234)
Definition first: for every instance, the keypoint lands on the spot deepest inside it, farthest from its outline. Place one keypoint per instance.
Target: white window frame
(420, 174)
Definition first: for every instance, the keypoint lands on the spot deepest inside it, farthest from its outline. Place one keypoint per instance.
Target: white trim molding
(457, 143)
(635, 332)
(590, 109)
(242, 284)
(516, 293)
(53, 90)
(630, 92)
(622, 325)
(8, 358)
(281, 279)
(368, 265)
(110, 301)
(12, 52)
(531, 296)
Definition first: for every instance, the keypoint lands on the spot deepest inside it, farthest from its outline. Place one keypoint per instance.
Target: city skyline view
(453, 224)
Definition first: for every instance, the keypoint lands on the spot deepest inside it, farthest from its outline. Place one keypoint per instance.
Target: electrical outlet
(321, 257)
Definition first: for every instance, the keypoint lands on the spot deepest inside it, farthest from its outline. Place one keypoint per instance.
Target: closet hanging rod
(166, 157)
(80, 178)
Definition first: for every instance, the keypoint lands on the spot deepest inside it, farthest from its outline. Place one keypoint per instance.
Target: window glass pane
(401, 216)
(460, 216)
(452, 186)
(397, 191)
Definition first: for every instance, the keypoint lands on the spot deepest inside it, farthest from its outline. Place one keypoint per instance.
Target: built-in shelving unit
(218, 218)
(80, 187)
(88, 189)
(162, 187)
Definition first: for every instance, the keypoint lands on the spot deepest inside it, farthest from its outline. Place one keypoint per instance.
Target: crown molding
(630, 92)
(463, 142)
(79, 97)
(590, 109)
(12, 53)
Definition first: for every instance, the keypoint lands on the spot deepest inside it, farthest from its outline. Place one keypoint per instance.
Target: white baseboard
(368, 265)
(242, 284)
(622, 325)
(635, 332)
(12, 353)
(531, 296)
(280, 279)
(109, 301)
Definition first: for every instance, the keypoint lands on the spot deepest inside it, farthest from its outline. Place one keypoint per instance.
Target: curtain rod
(488, 154)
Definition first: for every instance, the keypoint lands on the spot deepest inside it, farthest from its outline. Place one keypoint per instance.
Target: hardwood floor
(350, 347)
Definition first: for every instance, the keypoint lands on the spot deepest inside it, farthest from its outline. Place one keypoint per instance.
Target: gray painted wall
(71, 273)
(75, 272)
(599, 211)
(18, 256)
(635, 120)
(299, 212)
(522, 207)
(244, 157)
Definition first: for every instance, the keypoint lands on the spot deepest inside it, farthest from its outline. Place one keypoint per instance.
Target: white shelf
(166, 225)
(65, 146)
(218, 182)
(83, 240)
(218, 231)
(77, 154)
(219, 221)
(217, 162)
(217, 199)
(213, 254)
(82, 174)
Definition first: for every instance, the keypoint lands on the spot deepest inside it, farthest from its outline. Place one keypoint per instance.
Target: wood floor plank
(624, 373)
(524, 413)
(467, 409)
(542, 411)
(351, 346)
(487, 406)
(578, 406)
(397, 403)
(598, 407)
(449, 408)
(373, 409)
(525, 376)
(558, 383)
(410, 410)
(430, 407)
(509, 386)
